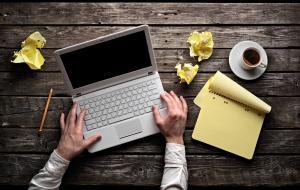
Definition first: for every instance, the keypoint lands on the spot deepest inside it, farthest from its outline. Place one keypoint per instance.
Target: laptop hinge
(77, 95)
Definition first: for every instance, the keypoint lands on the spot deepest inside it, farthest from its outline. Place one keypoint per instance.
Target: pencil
(46, 110)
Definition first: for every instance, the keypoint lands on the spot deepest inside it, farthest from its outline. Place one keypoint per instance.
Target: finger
(91, 140)
(168, 99)
(69, 116)
(62, 121)
(177, 100)
(184, 105)
(157, 118)
(72, 113)
(79, 121)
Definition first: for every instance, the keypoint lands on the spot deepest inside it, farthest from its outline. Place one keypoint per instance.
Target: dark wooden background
(23, 92)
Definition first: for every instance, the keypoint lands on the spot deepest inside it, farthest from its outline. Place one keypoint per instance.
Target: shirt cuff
(175, 155)
(56, 164)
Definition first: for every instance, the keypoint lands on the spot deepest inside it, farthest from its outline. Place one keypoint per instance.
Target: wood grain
(279, 60)
(26, 140)
(276, 26)
(162, 36)
(26, 112)
(146, 170)
(37, 83)
(148, 13)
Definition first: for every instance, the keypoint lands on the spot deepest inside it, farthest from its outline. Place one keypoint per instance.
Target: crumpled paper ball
(187, 73)
(201, 45)
(30, 54)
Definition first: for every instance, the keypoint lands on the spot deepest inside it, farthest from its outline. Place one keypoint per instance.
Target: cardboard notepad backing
(231, 117)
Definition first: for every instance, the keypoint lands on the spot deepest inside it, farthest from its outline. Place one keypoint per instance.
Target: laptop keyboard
(121, 104)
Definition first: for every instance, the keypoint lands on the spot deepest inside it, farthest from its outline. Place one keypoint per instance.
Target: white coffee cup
(252, 59)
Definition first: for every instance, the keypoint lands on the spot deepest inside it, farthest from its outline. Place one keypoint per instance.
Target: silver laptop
(115, 79)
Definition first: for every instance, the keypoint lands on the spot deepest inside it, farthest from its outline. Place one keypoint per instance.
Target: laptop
(115, 79)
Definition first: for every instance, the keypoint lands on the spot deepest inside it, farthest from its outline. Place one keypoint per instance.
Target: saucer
(236, 60)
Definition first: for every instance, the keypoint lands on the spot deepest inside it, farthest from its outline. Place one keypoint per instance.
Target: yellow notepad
(231, 117)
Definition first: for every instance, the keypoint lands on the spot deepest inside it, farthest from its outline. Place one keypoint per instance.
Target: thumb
(157, 117)
(91, 140)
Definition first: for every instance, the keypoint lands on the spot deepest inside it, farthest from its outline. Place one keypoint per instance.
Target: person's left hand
(71, 141)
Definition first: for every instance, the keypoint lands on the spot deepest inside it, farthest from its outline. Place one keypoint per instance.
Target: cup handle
(262, 65)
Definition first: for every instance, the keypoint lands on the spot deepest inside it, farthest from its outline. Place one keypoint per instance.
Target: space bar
(123, 117)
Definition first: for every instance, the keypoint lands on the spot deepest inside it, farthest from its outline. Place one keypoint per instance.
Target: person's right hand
(173, 124)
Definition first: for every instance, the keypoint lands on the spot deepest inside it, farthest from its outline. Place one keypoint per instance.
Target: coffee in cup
(252, 59)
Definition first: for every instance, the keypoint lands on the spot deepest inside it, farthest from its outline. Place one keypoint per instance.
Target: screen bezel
(114, 80)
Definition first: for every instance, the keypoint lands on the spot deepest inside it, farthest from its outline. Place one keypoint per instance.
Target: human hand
(173, 124)
(71, 141)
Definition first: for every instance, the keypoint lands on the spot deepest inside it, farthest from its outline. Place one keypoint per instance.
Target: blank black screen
(106, 60)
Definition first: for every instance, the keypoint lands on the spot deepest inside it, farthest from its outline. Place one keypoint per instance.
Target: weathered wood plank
(27, 140)
(36, 83)
(26, 112)
(284, 60)
(148, 13)
(146, 170)
(269, 84)
(162, 36)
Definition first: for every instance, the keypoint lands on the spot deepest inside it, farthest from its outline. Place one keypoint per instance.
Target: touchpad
(129, 128)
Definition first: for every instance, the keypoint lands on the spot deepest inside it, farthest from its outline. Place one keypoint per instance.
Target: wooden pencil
(45, 111)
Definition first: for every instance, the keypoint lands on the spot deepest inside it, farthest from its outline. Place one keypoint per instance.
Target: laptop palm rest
(128, 128)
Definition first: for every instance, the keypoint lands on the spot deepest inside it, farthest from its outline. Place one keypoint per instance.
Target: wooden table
(23, 92)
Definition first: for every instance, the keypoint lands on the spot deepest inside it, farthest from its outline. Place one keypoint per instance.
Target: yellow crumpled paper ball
(187, 73)
(30, 54)
(201, 45)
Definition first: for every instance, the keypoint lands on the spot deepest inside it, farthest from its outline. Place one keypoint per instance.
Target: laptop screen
(107, 59)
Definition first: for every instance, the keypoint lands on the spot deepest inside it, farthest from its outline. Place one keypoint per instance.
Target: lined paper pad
(230, 118)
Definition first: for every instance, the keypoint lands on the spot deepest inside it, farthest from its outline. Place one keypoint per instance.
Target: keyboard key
(89, 122)
(105, 122)
(148, 109)
(120, 112)
(89, 128)
(153, 97)
(87, 117)
(123, 117)
(137, 113)
(152, 87)
(94, 126)
(103, 117)
(131, 103)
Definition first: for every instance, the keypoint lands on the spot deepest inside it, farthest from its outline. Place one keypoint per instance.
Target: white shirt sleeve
(175, 171)
(50, 176)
